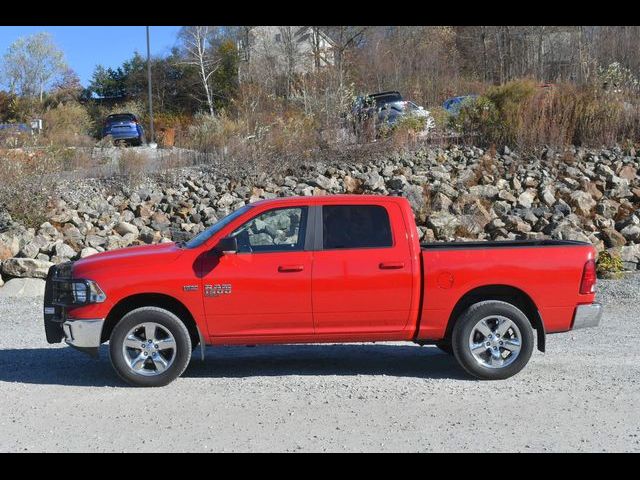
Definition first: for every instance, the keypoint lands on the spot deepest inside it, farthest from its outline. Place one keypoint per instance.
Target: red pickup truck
(344, 268)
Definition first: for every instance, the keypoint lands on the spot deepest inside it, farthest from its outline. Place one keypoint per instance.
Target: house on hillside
(285, 49)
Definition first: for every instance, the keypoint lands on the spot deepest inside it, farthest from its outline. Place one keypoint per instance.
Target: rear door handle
(290, 268)
(391, 265)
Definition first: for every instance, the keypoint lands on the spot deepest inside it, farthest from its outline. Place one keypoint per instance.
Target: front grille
(58, 282)
(53, 315)
(62, 292)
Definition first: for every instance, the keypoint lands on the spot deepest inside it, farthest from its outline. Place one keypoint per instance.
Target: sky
(86, 47)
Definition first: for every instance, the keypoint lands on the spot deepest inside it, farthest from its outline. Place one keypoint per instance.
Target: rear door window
(355, 226)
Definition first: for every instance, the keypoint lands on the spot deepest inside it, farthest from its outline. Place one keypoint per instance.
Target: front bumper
(587, 316)
(83, 333)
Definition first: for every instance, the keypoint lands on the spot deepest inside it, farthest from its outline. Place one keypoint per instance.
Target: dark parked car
(124, 127)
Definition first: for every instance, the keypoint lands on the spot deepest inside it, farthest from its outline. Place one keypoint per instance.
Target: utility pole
(152, 143)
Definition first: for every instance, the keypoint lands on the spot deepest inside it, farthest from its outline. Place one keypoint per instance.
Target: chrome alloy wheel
(495, 341)
(149, 349)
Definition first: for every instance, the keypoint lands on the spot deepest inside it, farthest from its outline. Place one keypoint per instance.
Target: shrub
(609, 264)
(495, 117)
(210, 133)
(7, 107)
(524, 115)
(441, 117)
(68, 124)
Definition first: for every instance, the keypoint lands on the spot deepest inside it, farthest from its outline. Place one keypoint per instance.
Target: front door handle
(290, 268)
(391, 265)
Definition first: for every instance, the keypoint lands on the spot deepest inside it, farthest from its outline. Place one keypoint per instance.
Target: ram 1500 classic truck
(343, 268)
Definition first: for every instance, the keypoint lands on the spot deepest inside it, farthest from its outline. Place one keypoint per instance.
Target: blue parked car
(124, 127)
(15, 127)
(453, 105)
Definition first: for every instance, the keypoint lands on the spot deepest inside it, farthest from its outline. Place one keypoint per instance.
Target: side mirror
(227, 246)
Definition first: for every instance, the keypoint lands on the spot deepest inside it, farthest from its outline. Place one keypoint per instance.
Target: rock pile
(457, 193)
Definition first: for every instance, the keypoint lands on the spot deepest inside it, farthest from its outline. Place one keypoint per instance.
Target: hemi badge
(49, 310)
(190, 288)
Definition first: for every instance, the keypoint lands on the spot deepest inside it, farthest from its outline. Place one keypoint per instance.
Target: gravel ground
(582, 395)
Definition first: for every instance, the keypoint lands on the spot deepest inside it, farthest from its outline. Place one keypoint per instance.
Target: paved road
(582, 395)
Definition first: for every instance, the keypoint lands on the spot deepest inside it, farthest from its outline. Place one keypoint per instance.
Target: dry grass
(132, 166)
(523, 115)
(27, 184)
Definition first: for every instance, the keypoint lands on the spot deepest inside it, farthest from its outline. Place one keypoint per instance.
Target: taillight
(588, 283)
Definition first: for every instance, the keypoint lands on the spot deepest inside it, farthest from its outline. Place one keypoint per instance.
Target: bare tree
(196, 42)
(344, 38)
(291, 55)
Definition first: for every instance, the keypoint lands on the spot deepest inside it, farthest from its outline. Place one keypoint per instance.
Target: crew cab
(343, 268)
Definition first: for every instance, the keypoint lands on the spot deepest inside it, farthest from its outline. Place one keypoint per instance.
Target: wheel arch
(159, 300)
(506, 293)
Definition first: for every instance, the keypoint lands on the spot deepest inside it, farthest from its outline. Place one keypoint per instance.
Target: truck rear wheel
(492, 340)
(150, 347)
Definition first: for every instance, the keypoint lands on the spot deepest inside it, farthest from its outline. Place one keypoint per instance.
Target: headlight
(87, 291)
(79, 291)
(96, 295)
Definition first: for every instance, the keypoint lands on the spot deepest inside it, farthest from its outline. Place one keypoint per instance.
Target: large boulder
(352, 185)
(485, 191)
(526, 198)
(628, 172)
(9, 246)
(26, 268)
(397, 182)
(325, 183)
(582, 202)
(548, 197)
(87, 252)
(630, 256)
(443, 224)
(23, 287)
(124, 227)
(631, 233)
(612, 238)
(440, 202)
(415, 195)
(373, 181)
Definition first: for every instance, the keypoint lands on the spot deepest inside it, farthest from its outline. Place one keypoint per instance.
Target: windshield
(381, 100)
(216, 227)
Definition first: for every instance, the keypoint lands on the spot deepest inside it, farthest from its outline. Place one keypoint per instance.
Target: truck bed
(549, 276)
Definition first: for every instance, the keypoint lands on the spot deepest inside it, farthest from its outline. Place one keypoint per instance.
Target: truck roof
(352, 199)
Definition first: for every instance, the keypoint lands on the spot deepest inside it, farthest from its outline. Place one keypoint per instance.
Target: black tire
(466, 324)
(166, 319)
(445, 346)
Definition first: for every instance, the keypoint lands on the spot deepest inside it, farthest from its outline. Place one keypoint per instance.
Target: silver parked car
(386, 108)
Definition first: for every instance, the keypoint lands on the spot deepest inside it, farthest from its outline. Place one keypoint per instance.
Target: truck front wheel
(492, 340)
(150, 347)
